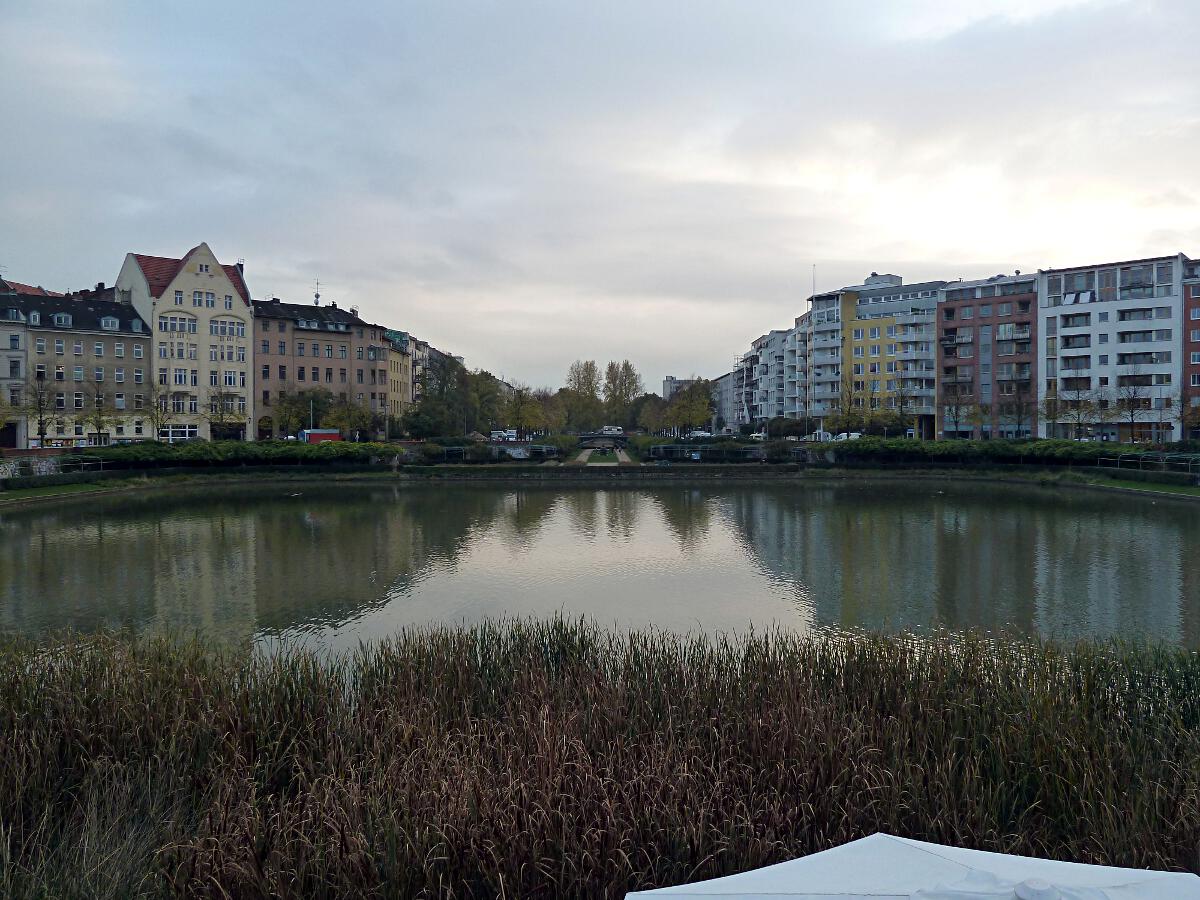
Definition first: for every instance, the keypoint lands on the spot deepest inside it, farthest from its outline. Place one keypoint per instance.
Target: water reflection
(337, 564)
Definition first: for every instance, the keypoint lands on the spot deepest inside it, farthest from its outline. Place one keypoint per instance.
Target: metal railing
(1184, 463)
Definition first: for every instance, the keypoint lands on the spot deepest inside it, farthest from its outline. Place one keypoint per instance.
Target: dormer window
(35, 318)
(62, 320)
(109, 323)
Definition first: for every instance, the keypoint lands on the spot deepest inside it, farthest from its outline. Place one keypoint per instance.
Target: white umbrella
(882, 866)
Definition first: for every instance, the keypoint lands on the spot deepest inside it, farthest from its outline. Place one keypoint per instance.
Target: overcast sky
(528, 183)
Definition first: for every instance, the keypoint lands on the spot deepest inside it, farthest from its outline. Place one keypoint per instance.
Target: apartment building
(891, 354)
(300, 347)
(824, 339)
(89, 357)
(724, 408)
(1110, 349)
(202, 318)
(400, 378)
(14, 341)
(987, 358)
(795, 369)
(672, 385)
(1191, 349)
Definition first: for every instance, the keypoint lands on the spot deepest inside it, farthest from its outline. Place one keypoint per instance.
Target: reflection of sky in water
(339, 564)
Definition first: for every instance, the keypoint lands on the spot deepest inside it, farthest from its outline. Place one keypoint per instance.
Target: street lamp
(40, 378)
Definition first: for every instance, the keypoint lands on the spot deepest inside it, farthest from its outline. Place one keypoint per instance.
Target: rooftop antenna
(814, 290)
(317, 294)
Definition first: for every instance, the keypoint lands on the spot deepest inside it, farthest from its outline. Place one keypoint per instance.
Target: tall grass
(558, 760)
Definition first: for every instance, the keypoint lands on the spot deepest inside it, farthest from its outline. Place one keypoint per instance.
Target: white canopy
(882, 866)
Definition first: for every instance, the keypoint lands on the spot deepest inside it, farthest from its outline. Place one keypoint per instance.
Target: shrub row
(1005, 452)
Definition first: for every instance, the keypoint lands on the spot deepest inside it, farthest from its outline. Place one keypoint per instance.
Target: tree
(622, 385)
(98, 416)
(223, 412)
(583, 377)
(1132, 399)
(652, 413)
(691, 407)
(522, 410)
(554, 410)
(1078, 409)
(956, 402)
(1050, 412)
(350, 418)
(157, 407)
(1021, 408)
(36, 403)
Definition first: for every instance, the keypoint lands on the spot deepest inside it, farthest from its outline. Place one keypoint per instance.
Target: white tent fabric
(883, 866)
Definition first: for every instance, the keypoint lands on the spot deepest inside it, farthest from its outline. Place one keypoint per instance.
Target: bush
(234, 453)
(1005, 452)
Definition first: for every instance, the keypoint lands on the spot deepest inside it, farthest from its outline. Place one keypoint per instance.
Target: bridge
(596, 441)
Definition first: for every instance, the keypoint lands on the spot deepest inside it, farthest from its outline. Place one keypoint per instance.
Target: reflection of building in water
(56, 563)
(1069, 565)
(204, 572)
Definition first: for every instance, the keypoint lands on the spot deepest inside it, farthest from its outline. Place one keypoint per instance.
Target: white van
(848, 436)
(612, 430)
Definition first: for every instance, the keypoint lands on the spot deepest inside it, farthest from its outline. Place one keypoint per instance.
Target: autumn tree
(350, 417)
(622, 385)
(98, 414)
(691, 407)
(523, 411)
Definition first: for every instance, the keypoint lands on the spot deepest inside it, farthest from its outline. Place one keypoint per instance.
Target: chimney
(99, 285)
(333, 303)
(241, 264)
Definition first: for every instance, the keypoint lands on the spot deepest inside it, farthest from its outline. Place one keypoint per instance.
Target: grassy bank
(554, 760)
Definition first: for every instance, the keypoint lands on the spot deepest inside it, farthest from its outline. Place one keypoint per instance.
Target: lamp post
(40, 378)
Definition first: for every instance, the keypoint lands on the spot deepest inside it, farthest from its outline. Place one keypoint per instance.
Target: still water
(333, 565)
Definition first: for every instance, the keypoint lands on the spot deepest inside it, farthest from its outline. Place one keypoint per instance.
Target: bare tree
(223, 412)
(157, 408)
(98, 413)
(1078, 409)
(1133, 399)
(37, 404)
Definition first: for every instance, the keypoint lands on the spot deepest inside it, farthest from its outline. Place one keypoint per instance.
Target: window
(79, 399)
(316, 374)
(118, 374)
(14, 342)
(137, 376)
(283, 326)
(300, 372)
(283, 373)
(119, 350)
(300, 349)
(228, 301)
(60, 400)
(197, 298)
(60, 373)
(1195, 359)
(874, 349)
(342, 375)
(985, 309)
(78, 373)
(137, 351)
(14, 368)
(59, 347)
(241, 354)
(210, 300)
(182, 324)
(35, 317)
(359, 350)
(98, 350)
(78, 348)
(99, 374)
(1194, 335)
(283, 348)
(967, 312)
(316, 348)
(202, 267)
(329, 376)
(62, 320)
(214, 377)
(266, 398)
(858, 354)
(342, 351)
(1104, 338)
(329, 351)
(119, 401)
(40, 345)
(1004, 309)
(266, 373)
(265, 347)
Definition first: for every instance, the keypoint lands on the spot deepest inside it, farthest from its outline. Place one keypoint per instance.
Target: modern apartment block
(202, 318)
(1191, 349)
(987, 358)
(892, 358)
(795, 369)
(724, 407)
(824, 338)
(1110, 350)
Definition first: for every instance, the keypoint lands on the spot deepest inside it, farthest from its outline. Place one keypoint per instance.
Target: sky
(528, 183)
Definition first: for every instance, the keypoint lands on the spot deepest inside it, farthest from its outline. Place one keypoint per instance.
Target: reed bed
(556, 759)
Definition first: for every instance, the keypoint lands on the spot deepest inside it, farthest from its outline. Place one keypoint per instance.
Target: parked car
(499, 436)
(819, 437)
(758, 436)
(848, 436)
(612, 430)
(693, 435)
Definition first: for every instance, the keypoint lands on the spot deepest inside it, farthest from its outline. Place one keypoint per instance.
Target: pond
(335, 564)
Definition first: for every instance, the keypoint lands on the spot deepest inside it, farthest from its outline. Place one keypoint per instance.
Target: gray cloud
(529, 182)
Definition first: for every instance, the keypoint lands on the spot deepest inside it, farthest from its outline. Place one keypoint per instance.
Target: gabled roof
(160, 271)
(26, 289)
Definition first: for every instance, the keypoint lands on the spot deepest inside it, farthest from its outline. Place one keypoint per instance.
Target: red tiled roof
(160, 271)
(19, 288)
